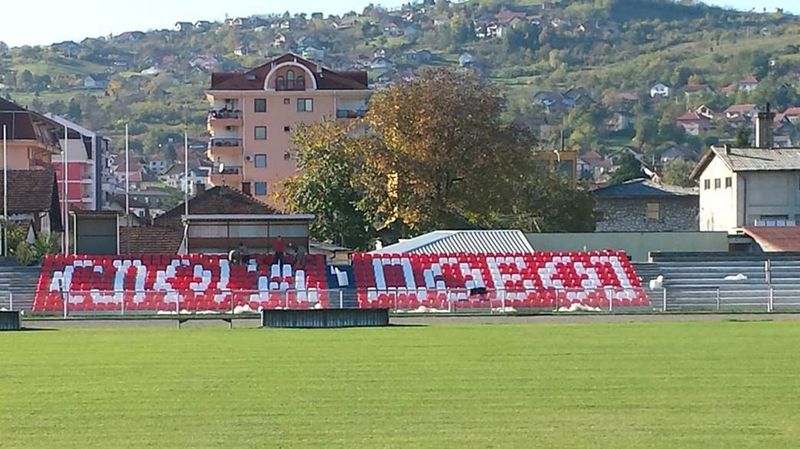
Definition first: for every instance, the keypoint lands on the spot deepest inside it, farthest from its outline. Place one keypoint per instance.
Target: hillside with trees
(584, 68)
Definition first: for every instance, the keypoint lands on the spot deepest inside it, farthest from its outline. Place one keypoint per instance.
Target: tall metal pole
(127, 178)
(186, 173)
(64, 155)
(5, 192)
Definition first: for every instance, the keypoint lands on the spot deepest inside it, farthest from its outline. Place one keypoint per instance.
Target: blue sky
(48, 21)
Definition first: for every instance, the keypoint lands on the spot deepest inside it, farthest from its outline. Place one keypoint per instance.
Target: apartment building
(86, 154)
(32, 139)
(253, 113)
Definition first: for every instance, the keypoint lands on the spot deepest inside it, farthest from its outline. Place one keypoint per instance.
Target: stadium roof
(473, 241)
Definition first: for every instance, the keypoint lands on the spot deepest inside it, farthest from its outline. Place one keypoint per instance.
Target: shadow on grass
(35, 329)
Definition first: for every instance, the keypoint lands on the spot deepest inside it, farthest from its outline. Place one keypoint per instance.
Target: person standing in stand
(279, 246)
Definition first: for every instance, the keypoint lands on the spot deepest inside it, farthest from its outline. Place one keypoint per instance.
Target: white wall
(718, 206)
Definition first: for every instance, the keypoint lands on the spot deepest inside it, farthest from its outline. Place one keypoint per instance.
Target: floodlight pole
(5, 192)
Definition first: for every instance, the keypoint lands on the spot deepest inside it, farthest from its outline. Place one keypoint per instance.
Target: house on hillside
(313, 53)
(130, 36)
(577, 96)
(694, 123)
(465, 59)
(183, 26)
(676, 153)
(202, 25)
(642, 205)
(741, 111)
(279, 40)
(693, 90)
(660, 90)
(548, 99)
(619, 121)
(591, 166)
(96, 82)
(705, 111)
(68, 49)
(792, 114)
(748, 83)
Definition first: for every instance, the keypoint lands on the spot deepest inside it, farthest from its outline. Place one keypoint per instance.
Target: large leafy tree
(431, 153)
(441, 150)
(678, 173)
(325, 185)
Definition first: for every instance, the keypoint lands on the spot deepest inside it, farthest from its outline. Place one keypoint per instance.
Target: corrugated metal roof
(776, 239)
(760, 159)
(477, 241)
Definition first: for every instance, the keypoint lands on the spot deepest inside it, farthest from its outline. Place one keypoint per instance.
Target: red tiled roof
(691, 116)
(695, 87)
(254, 79)
(741, 108)
(776, 239)
(792, 112)
(149, 240)
(750, 79)
(219, 200)
(29, 191)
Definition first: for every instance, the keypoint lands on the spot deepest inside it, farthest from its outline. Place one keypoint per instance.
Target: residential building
(592, 166)
(676, 153)
(95, 82)
(252, 115)
(641, 205)
(32, 138)
(694, 123)
(736, 111)
(33, 200)
(86, 153)
(660, 90)
(748, 83)
(742, 187)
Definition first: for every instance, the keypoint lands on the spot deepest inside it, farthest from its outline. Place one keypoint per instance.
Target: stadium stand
(171, 283)
(447, 281)
(519, 280)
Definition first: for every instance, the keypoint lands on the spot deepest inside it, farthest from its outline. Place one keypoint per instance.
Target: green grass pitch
(645, 385)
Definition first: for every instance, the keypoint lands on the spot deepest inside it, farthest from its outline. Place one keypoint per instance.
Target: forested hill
(615, 49)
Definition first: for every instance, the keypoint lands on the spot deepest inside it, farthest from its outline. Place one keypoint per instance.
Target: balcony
(224, 175)
(224, 117)
(225, 149)
(350, 113)
(296, 84)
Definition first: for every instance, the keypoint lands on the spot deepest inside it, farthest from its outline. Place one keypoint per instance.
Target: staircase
(20, 282)
(348, 298)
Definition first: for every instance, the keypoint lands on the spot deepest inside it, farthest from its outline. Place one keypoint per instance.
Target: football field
(597, 385)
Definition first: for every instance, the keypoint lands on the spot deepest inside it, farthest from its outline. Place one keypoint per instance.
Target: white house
(748, 187)
(660, 90)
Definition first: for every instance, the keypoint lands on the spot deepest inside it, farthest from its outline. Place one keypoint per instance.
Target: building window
(246, 188)
(261, 161)
(305, 105)
(287, 101)
(287, 129)
(717, 183)
(280, 83)
(706, 184)
(261, 188)
(653, 211)
(261, 133)
(728, 182)
(261, 105)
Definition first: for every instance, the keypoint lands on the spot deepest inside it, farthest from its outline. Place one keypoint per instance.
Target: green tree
(743, 137)
(325, 186)
(677, 172)
(629, 168)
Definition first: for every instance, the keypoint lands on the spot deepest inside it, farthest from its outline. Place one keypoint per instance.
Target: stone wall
(630, 214)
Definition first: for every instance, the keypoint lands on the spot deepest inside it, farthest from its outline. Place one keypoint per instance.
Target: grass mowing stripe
(660, 385)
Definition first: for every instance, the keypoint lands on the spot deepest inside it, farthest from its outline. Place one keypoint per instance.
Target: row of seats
(582, 271)
(183, 275)
(123, 302)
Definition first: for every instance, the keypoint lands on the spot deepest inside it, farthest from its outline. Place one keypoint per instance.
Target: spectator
(279, 246)
(243, 254)
(233, 256)
(300, 256)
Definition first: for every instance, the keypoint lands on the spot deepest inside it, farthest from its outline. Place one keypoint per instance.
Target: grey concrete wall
(630, 214)
(636, 244)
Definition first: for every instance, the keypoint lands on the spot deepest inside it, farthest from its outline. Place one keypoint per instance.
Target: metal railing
(225, 142)
(685, 299)
(224, 114)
